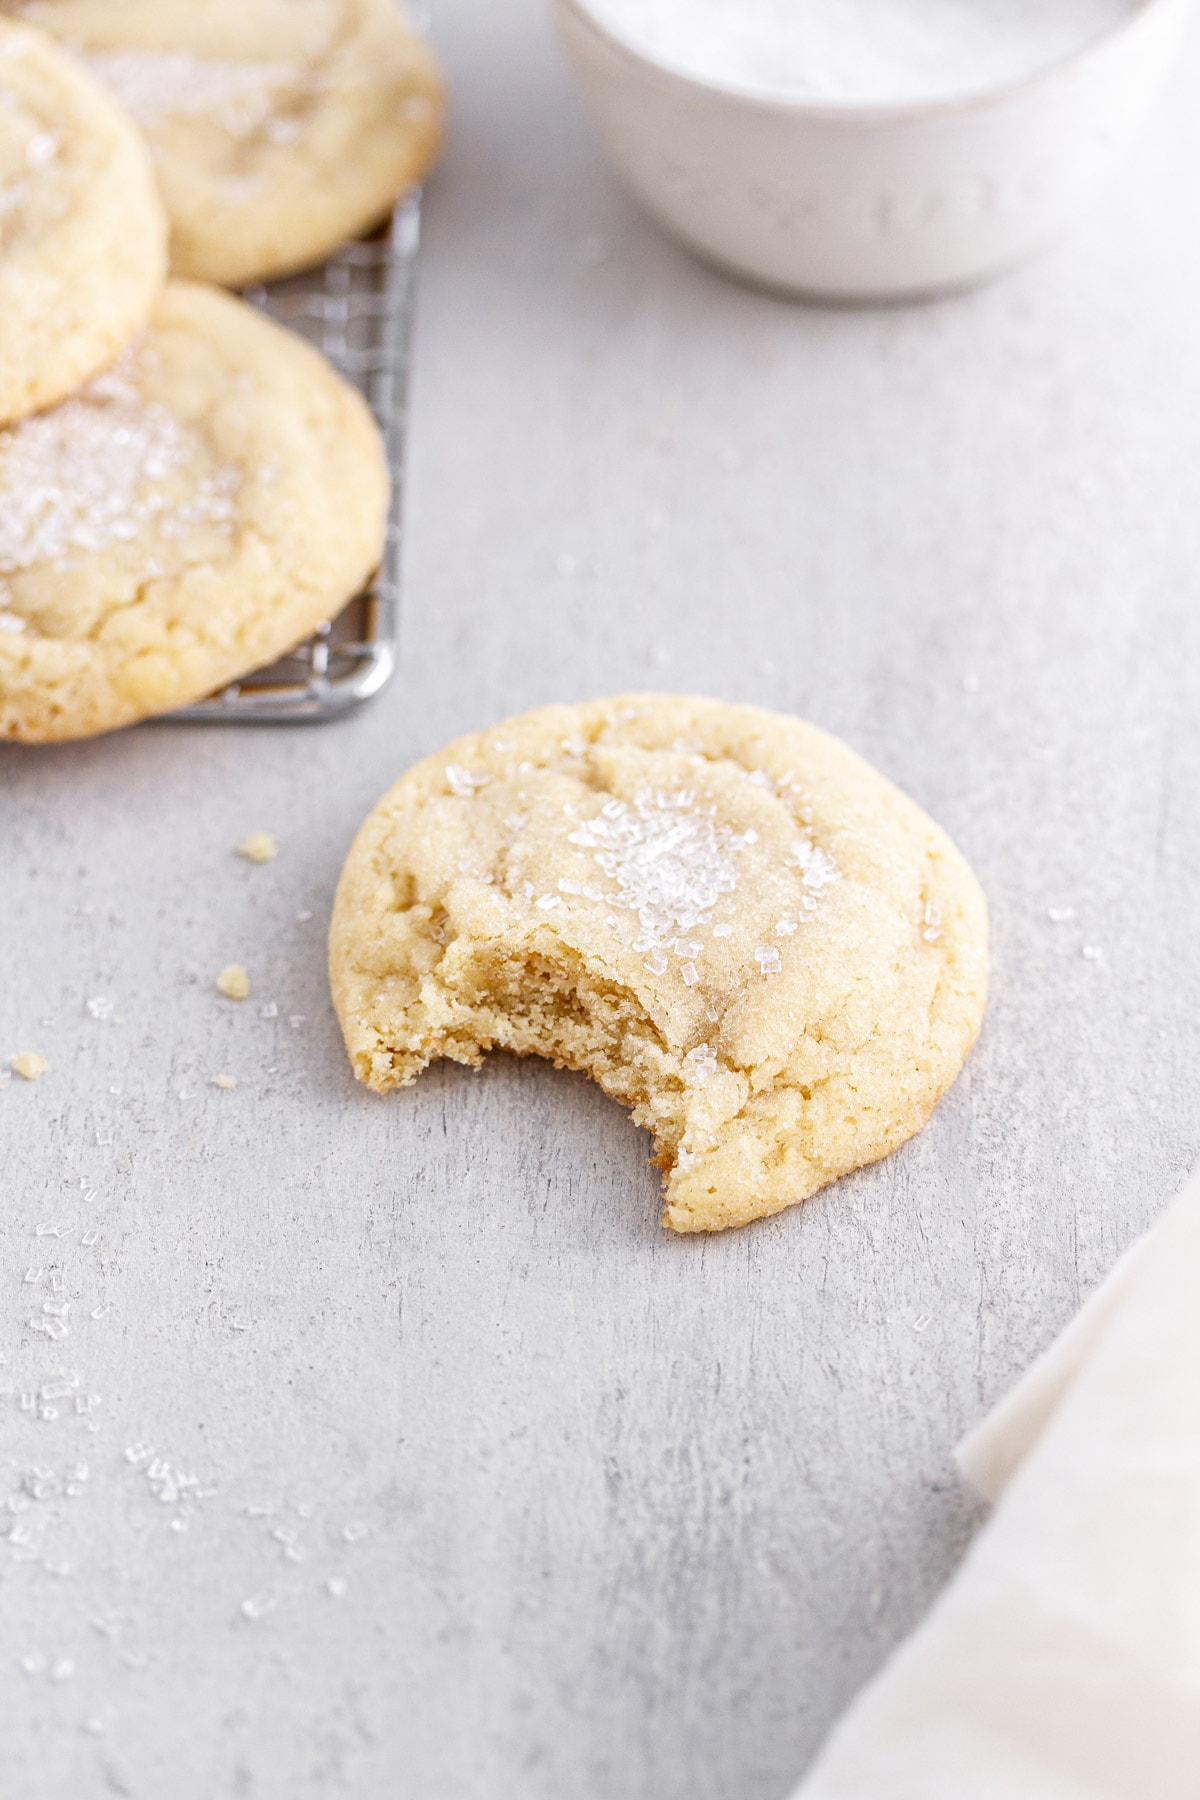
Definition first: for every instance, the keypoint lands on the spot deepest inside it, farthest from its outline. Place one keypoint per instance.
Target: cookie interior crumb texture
(739, 929)
(258, 847)
(233, 982)
(280, 128)
(30, 1065)
(83, 235)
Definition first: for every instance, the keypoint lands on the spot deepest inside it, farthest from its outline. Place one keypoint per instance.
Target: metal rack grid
(357, 309)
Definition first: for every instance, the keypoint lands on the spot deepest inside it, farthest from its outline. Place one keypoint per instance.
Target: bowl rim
(865, 112)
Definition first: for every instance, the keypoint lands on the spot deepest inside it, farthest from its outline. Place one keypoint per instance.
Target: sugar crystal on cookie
(669, 858)
(91, 471)
(156, 85)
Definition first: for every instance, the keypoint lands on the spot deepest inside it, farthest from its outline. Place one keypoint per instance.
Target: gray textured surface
(640, 1514)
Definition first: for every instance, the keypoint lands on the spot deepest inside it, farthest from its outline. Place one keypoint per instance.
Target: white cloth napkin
(1062, 1661)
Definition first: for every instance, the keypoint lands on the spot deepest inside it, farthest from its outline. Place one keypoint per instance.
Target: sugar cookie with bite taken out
(723, 915)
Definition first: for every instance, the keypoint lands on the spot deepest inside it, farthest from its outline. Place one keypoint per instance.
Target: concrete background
(407, 1458)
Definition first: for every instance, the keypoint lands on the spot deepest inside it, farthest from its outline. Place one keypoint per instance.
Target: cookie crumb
(258, 847)
(233, 982)
(29, 1065)
(224, 1081)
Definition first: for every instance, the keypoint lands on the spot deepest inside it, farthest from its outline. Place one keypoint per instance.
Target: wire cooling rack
(357, 309)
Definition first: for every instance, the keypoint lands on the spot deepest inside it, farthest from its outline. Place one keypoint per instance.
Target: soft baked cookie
(189, 515)
(83, 236)
(280, 127)
(722, 914)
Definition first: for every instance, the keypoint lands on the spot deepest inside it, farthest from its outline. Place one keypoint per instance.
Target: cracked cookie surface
(188, 516)
(82, 229)
(280, 128)
(739, 929)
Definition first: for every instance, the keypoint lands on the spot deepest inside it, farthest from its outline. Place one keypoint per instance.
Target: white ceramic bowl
(860, 201)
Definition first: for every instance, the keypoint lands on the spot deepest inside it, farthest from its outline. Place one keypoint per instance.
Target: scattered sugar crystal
(41, 149)
(656, 962)
(1092, 953)
(784, 927)
(1059, 915)
(722, 931)
(688, 972)
(768, 960)
(233, 982)
(258, 847)
(569, 887)
(547, 902)
(336, 1585)
(817, 869)
(268, 1011)
(702, 1061)
(156, 85)
(29, 1065)
(689, 947)
(462, 783)
(224, 1081)
(258, 1605)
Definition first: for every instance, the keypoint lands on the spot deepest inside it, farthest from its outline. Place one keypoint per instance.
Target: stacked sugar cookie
(186, 489)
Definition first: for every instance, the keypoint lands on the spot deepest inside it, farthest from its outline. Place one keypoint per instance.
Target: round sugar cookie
(189, 515)
(83, 236)
(723, 915)
(280, 127)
